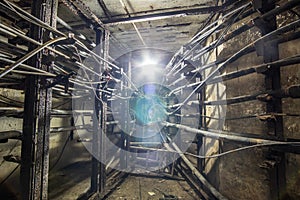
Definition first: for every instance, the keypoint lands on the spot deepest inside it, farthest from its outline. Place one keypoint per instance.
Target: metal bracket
(61, 79)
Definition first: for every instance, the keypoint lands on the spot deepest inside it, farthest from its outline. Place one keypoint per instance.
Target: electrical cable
(206, 34)
(30, 54)
(101, 90)
(38, 22)
(109, 63)
(224, 153)
(87, 76)
(215, 45)
(22, 72)
(193, 40)
(63, 149)
(31, 40)
(234, 57)
(222, 35)
(28, 67)
(10, 99)
(30, 18)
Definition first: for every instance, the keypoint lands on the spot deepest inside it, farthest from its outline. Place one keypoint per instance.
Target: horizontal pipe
(259, 69)
(69, 128)
(143, 143)
(4, 135)
(292, 92)
(53, 112)
(219, 135)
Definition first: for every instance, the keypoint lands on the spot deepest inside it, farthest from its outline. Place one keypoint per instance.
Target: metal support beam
(164, 15)
(195, 172)
(104, 8)
(125, 115)
(35, 145)
(5, 135)
(98, 176)
(270, 53)
(96, 125)
(103, 132)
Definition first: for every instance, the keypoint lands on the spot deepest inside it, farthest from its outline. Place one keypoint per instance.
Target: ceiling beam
(158, 16)
(105, 9)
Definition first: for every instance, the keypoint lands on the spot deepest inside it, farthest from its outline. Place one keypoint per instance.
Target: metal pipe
(220, 135)
(4, 135)
(69, 128)
(259, 69)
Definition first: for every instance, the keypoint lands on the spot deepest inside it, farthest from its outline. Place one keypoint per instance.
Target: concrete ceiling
(163, 24)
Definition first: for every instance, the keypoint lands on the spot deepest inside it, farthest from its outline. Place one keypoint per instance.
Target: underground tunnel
(149, 99)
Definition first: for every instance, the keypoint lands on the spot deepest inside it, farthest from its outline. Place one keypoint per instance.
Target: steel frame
(38, 100)
(35, 144)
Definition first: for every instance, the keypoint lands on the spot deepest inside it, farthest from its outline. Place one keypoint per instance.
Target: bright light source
(148, 61)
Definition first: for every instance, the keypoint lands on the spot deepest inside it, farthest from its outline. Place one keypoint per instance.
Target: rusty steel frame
(35, 145)
(270, 53)
(38, 102)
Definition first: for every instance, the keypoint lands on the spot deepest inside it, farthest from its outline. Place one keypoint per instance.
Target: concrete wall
(73, 152)
(245, 174)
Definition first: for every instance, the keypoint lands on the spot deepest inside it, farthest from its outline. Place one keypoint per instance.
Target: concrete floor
(72, 181)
